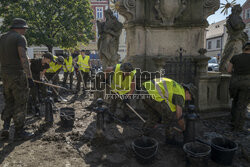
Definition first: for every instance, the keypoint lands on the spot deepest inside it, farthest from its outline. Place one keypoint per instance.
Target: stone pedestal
(213, 92)
(146, 45)
(158, 28)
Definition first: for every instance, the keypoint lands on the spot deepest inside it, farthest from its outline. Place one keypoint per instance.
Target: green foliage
(61, 23)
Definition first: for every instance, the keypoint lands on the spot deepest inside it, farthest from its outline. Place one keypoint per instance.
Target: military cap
(127, 67)
(191, 88)
(60, 60)
(48, 55)
(19, 23)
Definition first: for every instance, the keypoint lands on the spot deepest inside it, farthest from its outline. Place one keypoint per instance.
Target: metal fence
(181, 69)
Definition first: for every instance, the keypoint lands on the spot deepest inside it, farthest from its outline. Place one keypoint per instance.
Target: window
(99, 13)
(247, 13)
(218, 43)
(209, 45)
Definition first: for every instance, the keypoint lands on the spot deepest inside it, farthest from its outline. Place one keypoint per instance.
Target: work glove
(31, 83)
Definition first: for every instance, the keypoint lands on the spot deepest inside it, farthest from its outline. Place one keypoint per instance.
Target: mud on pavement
(79, 147)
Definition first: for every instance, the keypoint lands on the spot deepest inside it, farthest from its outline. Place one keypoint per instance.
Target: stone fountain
(170, 35)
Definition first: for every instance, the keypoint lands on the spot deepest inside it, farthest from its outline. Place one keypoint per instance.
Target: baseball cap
(48, 55)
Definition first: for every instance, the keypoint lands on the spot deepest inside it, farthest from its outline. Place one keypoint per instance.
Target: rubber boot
(5, 132)
(22, 135)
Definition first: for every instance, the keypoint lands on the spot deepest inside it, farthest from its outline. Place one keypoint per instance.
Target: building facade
(216, 37)
(246, 16)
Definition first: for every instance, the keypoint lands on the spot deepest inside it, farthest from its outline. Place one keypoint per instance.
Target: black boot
(22, 135)
(5, 132)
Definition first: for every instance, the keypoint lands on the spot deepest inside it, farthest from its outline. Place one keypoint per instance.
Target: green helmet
(127, 67)
(60, 60)
(191, 88)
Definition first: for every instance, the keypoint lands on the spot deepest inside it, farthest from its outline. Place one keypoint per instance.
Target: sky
(218, 16)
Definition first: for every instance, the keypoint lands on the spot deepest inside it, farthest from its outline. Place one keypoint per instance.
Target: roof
(215, 29)
(90, 46)
(247, 1)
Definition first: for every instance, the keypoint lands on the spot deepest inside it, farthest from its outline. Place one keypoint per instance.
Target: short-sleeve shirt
(178, 100)
(241, 64)
(37, 67)
(9, 57)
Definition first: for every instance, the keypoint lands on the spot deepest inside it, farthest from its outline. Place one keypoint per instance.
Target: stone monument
(108, 43)
(167, 34)
(236, 37)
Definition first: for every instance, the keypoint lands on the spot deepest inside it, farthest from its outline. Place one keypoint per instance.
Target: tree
(52, 23)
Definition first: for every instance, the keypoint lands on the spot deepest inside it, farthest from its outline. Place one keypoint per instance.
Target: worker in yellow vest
(68, 69)
(83, 69)
(54, 69)
(52, 74)
(165, 104)
(122, 83)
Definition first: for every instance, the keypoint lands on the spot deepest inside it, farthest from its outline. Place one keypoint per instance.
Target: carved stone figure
(169, 10)
(127, 8)
(210, 6)
(108, 43)
(236, 37)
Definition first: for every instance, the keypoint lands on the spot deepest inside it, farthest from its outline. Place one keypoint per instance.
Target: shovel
(63, 100)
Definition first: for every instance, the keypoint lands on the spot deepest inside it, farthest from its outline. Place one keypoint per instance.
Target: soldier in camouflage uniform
(15, 72)
(240, 86)
(165, 105)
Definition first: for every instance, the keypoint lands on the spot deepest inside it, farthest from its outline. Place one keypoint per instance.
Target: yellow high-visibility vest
(68, 66)
(162, 89)
(120, 85)
(53, 67)
(83, 63)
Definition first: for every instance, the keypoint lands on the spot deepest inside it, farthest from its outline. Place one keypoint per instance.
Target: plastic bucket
(197, 153)
(223, 150)
(145, 149)
(67, 116)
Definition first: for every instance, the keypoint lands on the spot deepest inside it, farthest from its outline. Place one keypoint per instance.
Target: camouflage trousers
(159, 113)
(16, 96)
(240, 92)
(122, 106)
